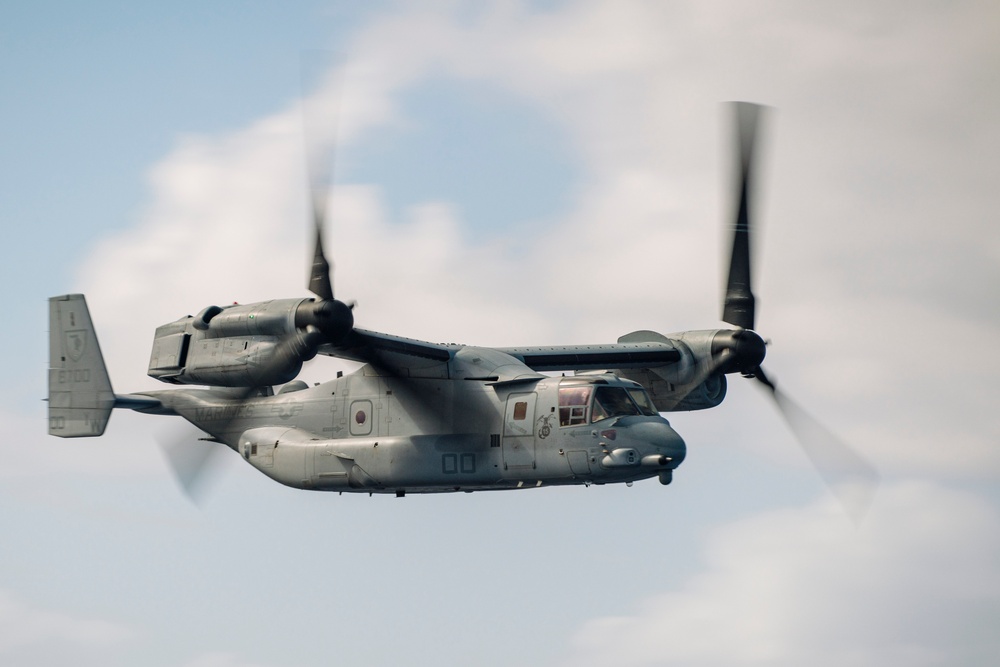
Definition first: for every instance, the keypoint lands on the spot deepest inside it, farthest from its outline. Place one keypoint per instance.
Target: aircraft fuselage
(371, 433)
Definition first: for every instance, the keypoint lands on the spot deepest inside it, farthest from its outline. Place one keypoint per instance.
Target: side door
(518, 431)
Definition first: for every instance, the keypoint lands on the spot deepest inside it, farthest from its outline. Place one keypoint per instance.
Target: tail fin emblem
(75, 343)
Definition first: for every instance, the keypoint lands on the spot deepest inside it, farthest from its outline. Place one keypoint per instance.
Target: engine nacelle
(670, 397)
(680, 386)
(252, 345)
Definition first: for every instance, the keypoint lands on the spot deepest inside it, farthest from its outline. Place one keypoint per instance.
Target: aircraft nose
(660, 434)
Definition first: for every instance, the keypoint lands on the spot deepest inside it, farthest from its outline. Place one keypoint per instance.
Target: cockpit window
(642, 399)
(573, 401)
(612, 402)
(608, 402)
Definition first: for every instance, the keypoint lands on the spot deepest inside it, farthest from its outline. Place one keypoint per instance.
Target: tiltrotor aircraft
(420, 417)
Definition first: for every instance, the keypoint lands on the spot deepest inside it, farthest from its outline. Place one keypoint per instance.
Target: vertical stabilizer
(80, 395)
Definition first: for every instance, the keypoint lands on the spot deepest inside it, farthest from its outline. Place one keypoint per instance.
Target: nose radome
(659, 433)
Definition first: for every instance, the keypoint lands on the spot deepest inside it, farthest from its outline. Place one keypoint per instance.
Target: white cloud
(916, 585)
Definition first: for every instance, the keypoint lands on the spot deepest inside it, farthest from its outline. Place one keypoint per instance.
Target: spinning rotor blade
(851, 478)
(706, 370)
(320, 170)
(739, 306)
(848, 475)
(320, 280)
(319, 113)
(194, 463)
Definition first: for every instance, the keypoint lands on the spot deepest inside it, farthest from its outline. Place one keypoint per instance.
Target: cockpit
(588, 401)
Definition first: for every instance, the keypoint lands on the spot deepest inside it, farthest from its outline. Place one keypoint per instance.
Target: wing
(397, 354)
(400, 353)
(595, 357)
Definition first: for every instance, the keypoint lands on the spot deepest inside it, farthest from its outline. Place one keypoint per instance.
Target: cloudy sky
(512, 173)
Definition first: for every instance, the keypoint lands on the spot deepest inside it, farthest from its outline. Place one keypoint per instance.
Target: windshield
(612, 402)
(642, 399)
(608, 402)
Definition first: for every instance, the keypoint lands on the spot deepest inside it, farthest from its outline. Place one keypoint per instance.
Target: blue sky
(500, 161)
(152, 158)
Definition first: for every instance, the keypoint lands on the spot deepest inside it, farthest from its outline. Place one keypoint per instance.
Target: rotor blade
(194, 463)
(293, 350)
(739, 306)
(319, 119)
(320, 280)
(851, 478)
(706, 370)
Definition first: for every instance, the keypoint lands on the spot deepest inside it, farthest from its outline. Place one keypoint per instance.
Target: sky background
(514, 173)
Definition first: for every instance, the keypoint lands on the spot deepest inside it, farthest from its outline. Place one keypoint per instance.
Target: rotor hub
(334, 318)
(744, 350)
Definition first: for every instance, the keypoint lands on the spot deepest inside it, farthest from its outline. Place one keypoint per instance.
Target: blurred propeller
(319, 121)
(848, 475)
(851, 478)
(194, 462)
(325, 320)
(320, 280)
(319, 321)
(319, 164)
(739, 304)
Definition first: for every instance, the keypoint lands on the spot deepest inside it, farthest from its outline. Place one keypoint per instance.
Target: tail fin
(80, 394)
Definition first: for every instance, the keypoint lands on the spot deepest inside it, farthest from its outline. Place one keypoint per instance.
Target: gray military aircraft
(421, 417)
